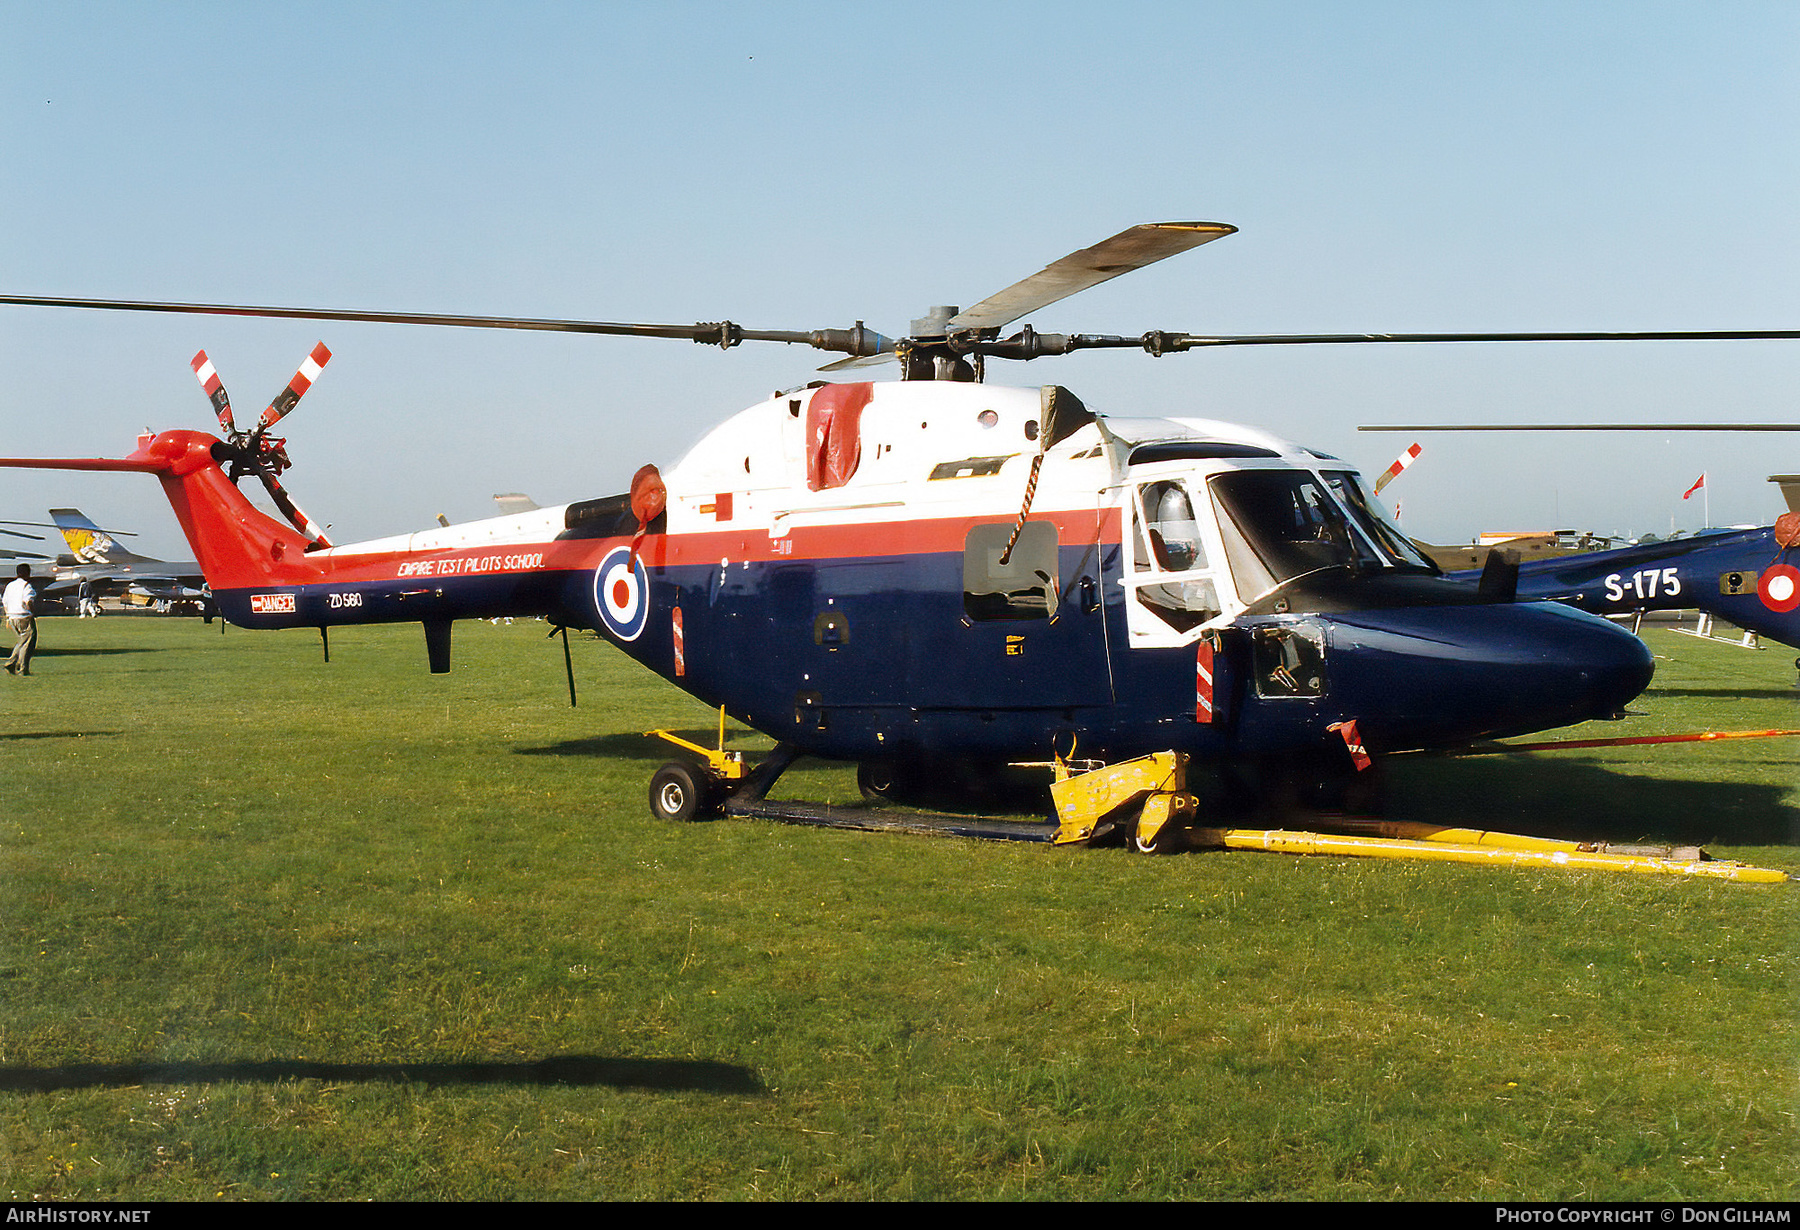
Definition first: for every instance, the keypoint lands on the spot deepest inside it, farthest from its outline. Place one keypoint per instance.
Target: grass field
(274, 929)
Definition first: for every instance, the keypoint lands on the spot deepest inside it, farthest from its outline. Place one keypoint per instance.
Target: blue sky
(1431, 166)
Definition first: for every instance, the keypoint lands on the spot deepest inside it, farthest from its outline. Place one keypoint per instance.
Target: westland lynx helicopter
(935, 575)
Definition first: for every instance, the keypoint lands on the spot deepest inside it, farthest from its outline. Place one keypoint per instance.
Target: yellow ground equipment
(1147, 801)
(681, 790)
(1142, 795)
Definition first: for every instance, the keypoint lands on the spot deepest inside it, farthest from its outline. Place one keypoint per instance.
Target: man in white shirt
(21, 602)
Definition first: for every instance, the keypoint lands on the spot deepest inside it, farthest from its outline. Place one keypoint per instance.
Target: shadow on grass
(57, 651)
(700, 1075)
(1547, 794)
(1735, 693)
(57, 734)
(1554, 796)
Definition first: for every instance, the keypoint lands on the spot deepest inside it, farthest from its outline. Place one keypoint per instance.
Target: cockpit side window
(1171, 580)
(1174, 534)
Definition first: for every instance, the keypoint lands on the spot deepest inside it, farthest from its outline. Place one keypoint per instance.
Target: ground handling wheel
(683, 791)
(1162, 842)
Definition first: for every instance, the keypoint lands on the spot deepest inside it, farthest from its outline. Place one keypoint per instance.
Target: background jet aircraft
(95, 556)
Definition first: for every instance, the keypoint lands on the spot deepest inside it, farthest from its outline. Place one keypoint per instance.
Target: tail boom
(263, 575)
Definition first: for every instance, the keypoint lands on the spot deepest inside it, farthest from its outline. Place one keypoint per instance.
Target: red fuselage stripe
(804, 543)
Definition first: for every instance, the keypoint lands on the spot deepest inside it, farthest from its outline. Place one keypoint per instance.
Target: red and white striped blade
(1400, 463)
(288, 398)
(293, 512)
(215, 391)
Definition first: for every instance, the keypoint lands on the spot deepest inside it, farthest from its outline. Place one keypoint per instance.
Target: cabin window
(1171, 575)
(1024, 587)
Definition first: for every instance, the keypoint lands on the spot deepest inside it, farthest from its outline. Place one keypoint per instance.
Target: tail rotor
(257, 452)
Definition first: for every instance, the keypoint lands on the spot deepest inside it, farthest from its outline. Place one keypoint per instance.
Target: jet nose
(1440, 676)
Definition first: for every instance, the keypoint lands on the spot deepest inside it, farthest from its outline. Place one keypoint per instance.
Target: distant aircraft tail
(1790, 489)
(88, 543)
(512, 503)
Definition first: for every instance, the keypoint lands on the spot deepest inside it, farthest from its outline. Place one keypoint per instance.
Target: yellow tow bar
(1530, 852)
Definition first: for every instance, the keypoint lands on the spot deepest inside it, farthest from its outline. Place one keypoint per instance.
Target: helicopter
(936, 577)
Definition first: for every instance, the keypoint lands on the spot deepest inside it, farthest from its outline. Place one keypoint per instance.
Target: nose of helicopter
(1440, 676)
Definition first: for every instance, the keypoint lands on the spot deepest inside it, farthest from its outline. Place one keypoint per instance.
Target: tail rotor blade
(292, 511)
(288, 398)
(215, 391)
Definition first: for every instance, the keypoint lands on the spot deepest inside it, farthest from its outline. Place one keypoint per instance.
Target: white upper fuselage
(927, 452)
(911, 431)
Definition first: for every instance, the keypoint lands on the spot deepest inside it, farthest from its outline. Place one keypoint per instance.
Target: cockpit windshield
(1282, 524)
(1372, 515)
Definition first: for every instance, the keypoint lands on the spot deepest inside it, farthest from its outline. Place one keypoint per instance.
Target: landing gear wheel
(679, 791)
(877, 780)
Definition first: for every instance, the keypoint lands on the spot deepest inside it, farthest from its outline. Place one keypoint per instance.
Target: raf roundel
(621, 590)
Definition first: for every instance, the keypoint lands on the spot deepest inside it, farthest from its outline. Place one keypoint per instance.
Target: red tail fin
(235, 543)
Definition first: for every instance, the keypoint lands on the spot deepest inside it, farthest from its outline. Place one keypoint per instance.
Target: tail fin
(88, 543)
(1790, 489)
(513, 502)
(235, 543)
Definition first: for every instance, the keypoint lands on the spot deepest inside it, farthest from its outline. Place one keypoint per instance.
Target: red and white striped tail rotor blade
(294, 513)
(215, 391)
(1400, 463)
(289, 397)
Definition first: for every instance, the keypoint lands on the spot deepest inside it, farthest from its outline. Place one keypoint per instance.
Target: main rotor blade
(1584, 427)
(1128, 250)
(855, 361)
(1191, 341)
(857, 340)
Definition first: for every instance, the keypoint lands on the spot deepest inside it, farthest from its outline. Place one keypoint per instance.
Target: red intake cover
(834, 434)
(648, 495)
